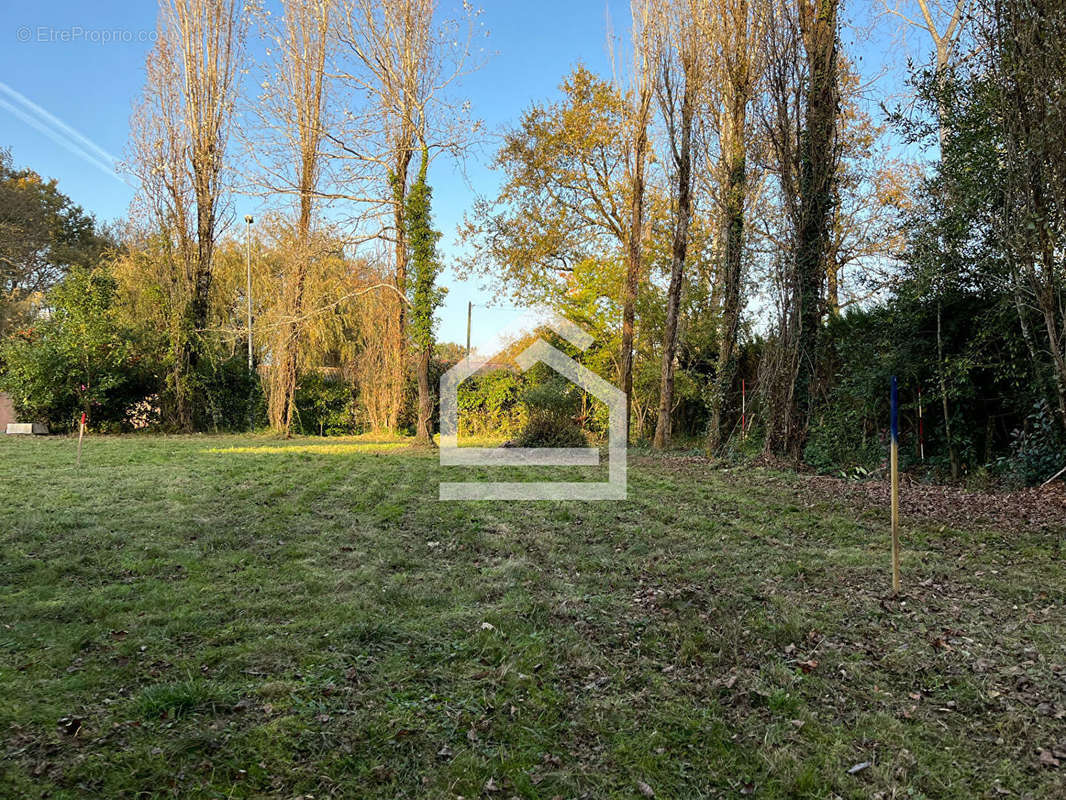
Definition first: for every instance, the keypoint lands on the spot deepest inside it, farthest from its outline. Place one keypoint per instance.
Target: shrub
(79, 358)
(740, 449)
(490, 403)
(233, 398)
(550, 430)
(324, 406)
(1037, 450)
(842, 438)
(551, 405)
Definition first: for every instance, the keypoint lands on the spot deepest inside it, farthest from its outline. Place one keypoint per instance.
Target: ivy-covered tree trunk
(424, 432)
(817, 168)
(683, 162)
(734, 191)
(738, 30)
(400, 200)
(425, 296)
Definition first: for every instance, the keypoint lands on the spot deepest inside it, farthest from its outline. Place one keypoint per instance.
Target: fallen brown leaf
(1047, 759)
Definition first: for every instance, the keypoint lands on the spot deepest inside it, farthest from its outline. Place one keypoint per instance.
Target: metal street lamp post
(248, 289)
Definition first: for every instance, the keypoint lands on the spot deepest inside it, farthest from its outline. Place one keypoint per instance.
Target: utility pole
(469, 314)
(248, 288)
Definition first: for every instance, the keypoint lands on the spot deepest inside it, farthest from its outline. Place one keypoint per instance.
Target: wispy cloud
(58, 131)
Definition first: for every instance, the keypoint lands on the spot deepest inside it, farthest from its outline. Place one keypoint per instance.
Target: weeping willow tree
(401, 61)
(293, 109)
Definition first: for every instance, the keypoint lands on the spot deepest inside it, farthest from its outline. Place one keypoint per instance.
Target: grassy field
(246, 617)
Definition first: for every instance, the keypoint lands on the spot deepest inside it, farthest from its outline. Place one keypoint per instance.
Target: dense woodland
(729, 212)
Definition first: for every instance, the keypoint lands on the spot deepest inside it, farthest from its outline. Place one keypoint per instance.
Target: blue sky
(83, 64)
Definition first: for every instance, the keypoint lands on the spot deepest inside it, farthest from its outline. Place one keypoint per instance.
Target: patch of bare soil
(1040, 508)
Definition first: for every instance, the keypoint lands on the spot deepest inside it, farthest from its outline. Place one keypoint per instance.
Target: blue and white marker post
(894, 467)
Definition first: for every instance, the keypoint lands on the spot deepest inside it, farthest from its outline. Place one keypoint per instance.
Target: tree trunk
(832, 289)
(424, 433)
(664, 423)
(816, 174)
(953, 454)
(1057, 359)
(289, 363)
(399, 198)
(192, 346)
(732, 223)
(633, 250)
(422, 240)
(283, 401)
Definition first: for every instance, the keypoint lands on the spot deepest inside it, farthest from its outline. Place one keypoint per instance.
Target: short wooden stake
(1049, 480)
(81, 435)
(743, 409)
(894, 467)
(921, 428)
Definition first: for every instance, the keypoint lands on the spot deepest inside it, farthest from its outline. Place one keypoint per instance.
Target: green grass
(247, 617)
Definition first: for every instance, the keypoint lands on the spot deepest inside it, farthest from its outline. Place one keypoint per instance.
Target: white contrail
(57, 138)
(59, 132)
(88, 143)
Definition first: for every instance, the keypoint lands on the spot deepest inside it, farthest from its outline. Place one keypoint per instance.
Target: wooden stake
(1049, 480)
(81, 435)
(894, 467)
(743, 409)
(921, 428)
